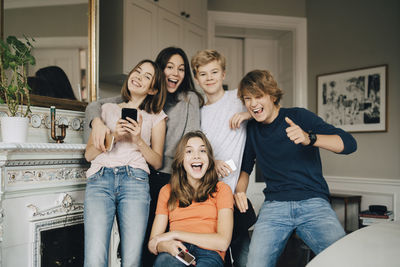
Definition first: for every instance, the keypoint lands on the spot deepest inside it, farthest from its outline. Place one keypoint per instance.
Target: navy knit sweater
(292, 172)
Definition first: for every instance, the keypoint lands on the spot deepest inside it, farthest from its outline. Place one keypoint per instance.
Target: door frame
(298, 27)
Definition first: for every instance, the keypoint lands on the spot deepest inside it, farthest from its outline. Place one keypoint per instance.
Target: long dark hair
(152, 103)
(52, 81)
(181, 191)
(187, 83)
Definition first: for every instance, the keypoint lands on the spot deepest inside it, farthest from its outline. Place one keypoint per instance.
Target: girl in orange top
(198, 208)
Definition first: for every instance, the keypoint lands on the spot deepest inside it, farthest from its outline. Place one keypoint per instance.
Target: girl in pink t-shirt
(117, 182)
(198, 208)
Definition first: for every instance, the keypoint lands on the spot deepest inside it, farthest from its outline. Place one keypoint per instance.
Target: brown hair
(181, 190)
(152, 103)
(258, 83)
(204, 57)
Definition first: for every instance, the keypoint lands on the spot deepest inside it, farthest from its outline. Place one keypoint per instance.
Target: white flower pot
(14, 129)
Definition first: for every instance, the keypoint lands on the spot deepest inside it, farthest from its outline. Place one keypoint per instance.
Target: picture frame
(354, 100)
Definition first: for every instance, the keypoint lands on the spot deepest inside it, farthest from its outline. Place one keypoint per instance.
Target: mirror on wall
(63, 50)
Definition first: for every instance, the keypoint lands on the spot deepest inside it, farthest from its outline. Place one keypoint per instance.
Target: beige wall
(346, 35)
(48, 21)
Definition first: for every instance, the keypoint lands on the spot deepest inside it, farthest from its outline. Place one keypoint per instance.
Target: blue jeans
(123, 191)
(240, 249)
(313, 219)
(204, 258)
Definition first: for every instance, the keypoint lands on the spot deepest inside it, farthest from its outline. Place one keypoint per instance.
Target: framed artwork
(354, 100)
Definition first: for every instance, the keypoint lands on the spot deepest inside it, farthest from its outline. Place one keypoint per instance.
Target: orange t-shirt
(199, 217)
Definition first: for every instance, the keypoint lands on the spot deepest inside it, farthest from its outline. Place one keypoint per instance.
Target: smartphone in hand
(109, 142)
(231, 164)
(129, 112)
(185, 257)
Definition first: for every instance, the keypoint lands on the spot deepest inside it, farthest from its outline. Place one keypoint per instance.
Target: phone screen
(129, 112)
(188, 258)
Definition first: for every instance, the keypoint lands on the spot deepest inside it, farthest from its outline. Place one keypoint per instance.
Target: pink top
(124, 153)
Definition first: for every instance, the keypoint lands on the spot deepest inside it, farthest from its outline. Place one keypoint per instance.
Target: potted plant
(15, 56)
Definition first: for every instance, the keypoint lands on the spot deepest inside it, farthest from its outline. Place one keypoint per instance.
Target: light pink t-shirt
(124, 153)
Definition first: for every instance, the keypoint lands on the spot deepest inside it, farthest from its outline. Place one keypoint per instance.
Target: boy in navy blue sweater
(286, 142)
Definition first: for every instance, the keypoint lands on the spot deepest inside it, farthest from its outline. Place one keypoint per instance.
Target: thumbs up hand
(296, 134)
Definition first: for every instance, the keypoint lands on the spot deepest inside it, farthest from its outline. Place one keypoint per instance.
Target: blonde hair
(258, 83)
(152, 103)
(181, 191)
(203, 57)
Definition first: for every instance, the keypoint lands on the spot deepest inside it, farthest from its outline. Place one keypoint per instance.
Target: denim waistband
(124, 169)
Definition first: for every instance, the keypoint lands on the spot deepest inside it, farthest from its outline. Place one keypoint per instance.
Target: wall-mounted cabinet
(137, 29)
(193, 11)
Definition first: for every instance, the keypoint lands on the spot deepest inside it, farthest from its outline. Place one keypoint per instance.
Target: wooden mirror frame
(92, 73)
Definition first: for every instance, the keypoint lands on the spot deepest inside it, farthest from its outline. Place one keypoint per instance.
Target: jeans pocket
(139, 175)
(94, 176)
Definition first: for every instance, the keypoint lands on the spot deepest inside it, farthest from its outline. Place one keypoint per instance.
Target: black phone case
(129, 112)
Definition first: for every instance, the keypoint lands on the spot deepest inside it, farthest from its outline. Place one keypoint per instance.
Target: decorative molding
(64, 206)
(42, 147)
(37, 162)
(65, 213)
(59, 222)
(360, 180)
(24, 177)
(296, 25)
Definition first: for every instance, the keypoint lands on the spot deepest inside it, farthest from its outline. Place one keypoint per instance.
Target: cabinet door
(170, 30)
(173, 6)
(195, 12)
(140, 32)
(195, 39)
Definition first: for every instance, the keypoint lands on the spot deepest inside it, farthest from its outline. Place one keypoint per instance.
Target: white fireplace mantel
(35, 178)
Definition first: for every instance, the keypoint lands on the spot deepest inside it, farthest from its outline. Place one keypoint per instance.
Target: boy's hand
(238, 118)
(223, 169)
(99, 131)
(296, 134)
(241, 201)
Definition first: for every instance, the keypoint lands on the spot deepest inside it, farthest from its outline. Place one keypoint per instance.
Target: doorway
(248, 50)
(277, 43)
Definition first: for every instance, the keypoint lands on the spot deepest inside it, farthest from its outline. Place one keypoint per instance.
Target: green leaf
(14, 56)
(12, 88)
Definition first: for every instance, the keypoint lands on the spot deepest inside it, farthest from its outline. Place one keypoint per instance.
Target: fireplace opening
(62, 246)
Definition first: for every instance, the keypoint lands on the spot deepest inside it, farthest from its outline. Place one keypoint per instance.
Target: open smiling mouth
(172, 82)
(197, 166)
(257, 110)
(135, 83)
